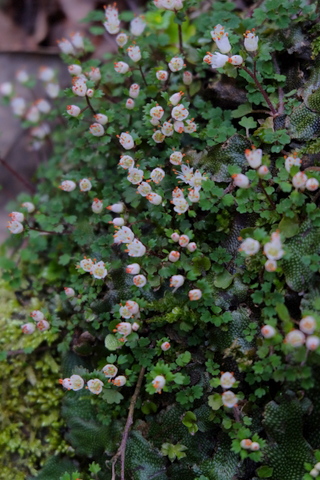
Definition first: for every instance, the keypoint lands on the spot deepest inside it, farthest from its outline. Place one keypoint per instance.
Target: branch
(261, 90)
(122, 449)
(25, 182)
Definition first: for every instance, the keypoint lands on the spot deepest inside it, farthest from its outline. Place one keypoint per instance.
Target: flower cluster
(40, 323)
(229, 399)
(96, 269)
(304, 335)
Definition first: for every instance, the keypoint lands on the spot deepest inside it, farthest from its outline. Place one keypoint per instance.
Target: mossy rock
(54, 468)
(224, 463)
(303, 123)
(143, 461)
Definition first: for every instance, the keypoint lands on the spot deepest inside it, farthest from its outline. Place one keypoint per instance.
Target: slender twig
(180, 39)
(143, 77)
(261, 89)
(90, 106)
(273, 205)
(25, 182)
(280, 89)
(122, 449)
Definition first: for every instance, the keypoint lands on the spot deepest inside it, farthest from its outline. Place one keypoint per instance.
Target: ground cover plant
(165, 264)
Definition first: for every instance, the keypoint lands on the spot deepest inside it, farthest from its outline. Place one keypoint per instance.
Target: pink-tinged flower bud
(229, 399)
(97, 205)
(240, 180)
(165, 346)
(162, 75)
(126, 162)
(192, 247)
(263, 170)
(69, 292)
(295, 338)
(271, 265)
(76, 382)
(74, 69)
(73, 110)
(119, 381)
(79, 87)
(175, 98)
(134, 90)
(268, 331)
(251, 41)
(43, 325)
(299, 180)
(312, 342)
(28, 328)
(235, 60)
(52, 90)
(116, 208)
(157, 175)
(254, 447)
(179, 112)
(124, 328)
(37, 315)
(176, 158)
(67, 185)
(99, 271)
(174, 256)
(154, 198)
(184, 240)
(101, 118)
(133, 268)
(158, 383)
(139, 280)
(187, 78)
(136, 249)
(86, 264)
(126, 141)
(158, 136)
(118, 222)
(94, 74)
(96, 130)
(246, 443)
(110, 371)
(135, 326)
(130, 104)
(178, 127)
(312, 184)
(65, 382)
(17, 216)
(121, 39)
(121, 67)
(195, 294)
(176, 64)
(175, 237)
(66, 47)
(85, 185)
(134, 53)
(137, 26)
(29, 206)
(307, 325)
(176, 281)
(227, 380)
(46, 74)
(6, 89)
(154, 121)
(15, 227)
(18, 105)
(253, 157)
(218, 60)
(95, 386)
(157, 112)
(249, 246)
(90, 92)
(167, 129)
(77, 40)
(33, 114)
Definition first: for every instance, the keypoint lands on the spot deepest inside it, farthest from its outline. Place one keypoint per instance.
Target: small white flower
(122, 39)
(18, 105)
(97, 205)
(101, 118)
(73, 110)
(190, 126)
(144, 189)
(136, 249)
(270, 265)
(291, 161)
(33, 114)
(123, 235)
(110, 371)
(85, 185)
(112, 26)
(121, 67)
(312, 184)
(43, 325)
(65, 382)
(229, 399)
(227, 380)
(126, 162)
(76, 382)
(246, 443)
(134, 90)
(253, 157)
(249, 246)
(299, 180)
(134, 53)
(178, 126)
(118, 222)
(175, 237)
(175, 98)
(221, 39)
(167, 129)
(22, 76)
(176, 281)
(77, 40)
(116, 208)
(66, 47)
(158, 383)
(217, 60)
(130, 104)
(95, 386)
(235, 60)
(295, 338)
(69, 292)
(195, 294)
(79, 87)
(157, 175)
(250, 41)
(268, 331)
(273, 250)
(17, 216)
(94, 74)
(254, 447)
(176, 158)
(28, 328)
(312, 342)
(46, 74)
(179, 112)
(192, 247)
(183, 240)
(187, 78)
(135, 326)
(126, 141)
(6, 89)
(194, 195)
(158, 136)
(154, 198)
(263, 170)
(99, 271)
(135, 175)
(176, 64)
(119, 381)
(139, 280)
(162, 75)
(97, 130)
(37, 315)
(52, 90)
(137, 26)
(174, 256)
(240, 180)
(29, 206)
(307, 325)
(124, 328)
(133, 269)
(43, 106)
(165, 346)
(157, 112)
(86, 264)
(68, 185)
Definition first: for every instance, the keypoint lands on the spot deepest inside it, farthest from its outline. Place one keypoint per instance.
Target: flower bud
(235, 60)
(68, 185)
(263, 170)
(295, 338)
(165, 346)
(6, 89)
(53, 90)
(192, 246)
(134, 53)
(118, 222)
(240, 180)
(195, 294)
(307, 325)
(17, 216)
(135, 326)
(268, 331)
(246, 443)
(250, 41)
(299, 180)
(77, 40)
(126, 141)
(312, 342)
(74, 69)
(121, 39)
(217, 60)
(134, 90)
(15, 227)
(69, 292)
(253, 157)
(174, 256)
(175, 237)
(187, 78)
(28, 328)
(96, 130)
(29, 206)
(270, 265)
(22, 76)
(66, 47)
(97, 205)
(130, 104)
(116, 208)
(110, 371)
(314, 473)
(85, 185)
(95, 386)
(133, 268)
(73, 110)
(175, 98)
(139, 280)
(158, 383)
(229, 399)
(154, 198)
(121, 67)
(312, 184)
(37, 315)
(90, 92)
(45, 74)
(184, 240)
(137, 26)
(162, 75)
(177, 281)
(254, 447)
(101, 118)
(43, 325)
(119, 381)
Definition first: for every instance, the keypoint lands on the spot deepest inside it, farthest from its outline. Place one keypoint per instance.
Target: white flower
(190, 126)
(194, 195)
(158, 136)
(69, 292)
(6, 89)
(76, 382)
(65, 382)
(112, 26)
(196, 180)
(175, 98)
(99, 271)
(295, 338)
(229, 399)
(46, 74)
(116, 207)
(95, 386)
(179, 112)
(133, 269)
(273, 250)
(43, 325)
(121, 39)
(312, 184)
(126, 162)
(134, 90)
(192, 246)
(121, 67)
(33, 114)
(158, 383)
(176, 158)
(184, 240)
(130, 104)
(29, 206)
(312, 342)
(85, 185)
(176, 64)
(94, 74)
(135, 326)
(119, 381)
(254, 447)
(180, 205)
(28, 328)
(144, 189)
(227, 380)
(53, 90)
(77, 40)
(101, 118)
(79, 86)
(217, 60)
(74, 69)
(18, 105)
(157, 112)
(37, 315)
(157, 175)
(268, 331)
(162, 75)
(307, 325)
(97, 205)
(235, 60)
(195, 294)
(97, 130)
(165, 346)
(154, 121)
(110, 371)
(135, 175)
(124, 328)
(86, 264)
(253, 157)
(137, 26)
(178, 126)
(136, 249)
(123, 235)
(154, 198)
(270, 265)
(246, 443)
(186, 174)
(299, 180)
(263, 170)
(67, 185)
(17, 216)
(240, 180)
(111, 12)
(187, 78)
(43, 106)
(249, 246)
(66, 47)
(134, 53)
(126, 141)
(167, 129)
(173, 256)
(175, 237)
(176, 281)
(118, 222)
(250, 41)
(73, 110)
(139, 280)
(221, 39)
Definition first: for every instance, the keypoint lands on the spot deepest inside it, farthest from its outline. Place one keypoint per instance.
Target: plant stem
(90, 106)
(143, 77)
(25, 182)
(261, 89)
(273, 205)
(122, 449)
(180, 39)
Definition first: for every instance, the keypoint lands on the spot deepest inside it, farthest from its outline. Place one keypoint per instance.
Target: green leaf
(248, 122)
(264, 471)
(111, 342)
(282, 312)
(215, 401)
(223, 280)
(112, 396)
(289, 227)
(242, 110)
